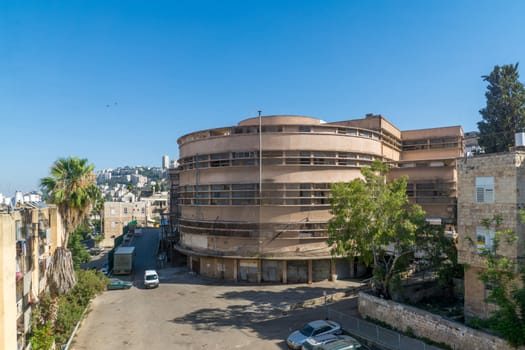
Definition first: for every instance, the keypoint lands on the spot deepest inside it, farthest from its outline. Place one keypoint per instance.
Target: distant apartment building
(28, 237)
(138, 180)
(251, 202)
(165, 162)
(489, 184)
(146, 212)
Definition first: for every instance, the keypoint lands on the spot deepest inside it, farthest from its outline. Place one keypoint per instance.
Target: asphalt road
(189, 312)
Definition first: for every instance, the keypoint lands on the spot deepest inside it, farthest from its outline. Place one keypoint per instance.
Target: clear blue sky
(118, 82)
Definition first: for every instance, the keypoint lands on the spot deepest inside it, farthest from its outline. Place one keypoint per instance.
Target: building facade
(254, 206)
(489, 184)
(146, 212)
(28, 238)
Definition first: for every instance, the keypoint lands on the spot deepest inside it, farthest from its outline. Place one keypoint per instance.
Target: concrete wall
(426, 325)
(7, 282)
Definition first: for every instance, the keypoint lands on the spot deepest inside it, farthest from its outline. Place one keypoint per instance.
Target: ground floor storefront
(266, 270)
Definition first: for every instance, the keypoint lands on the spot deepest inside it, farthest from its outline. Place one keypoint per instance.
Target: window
(484, 239)
(125, 211)
(485, 189)
(304, 128)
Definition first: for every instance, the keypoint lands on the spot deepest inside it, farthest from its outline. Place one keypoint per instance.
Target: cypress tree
(504, 113)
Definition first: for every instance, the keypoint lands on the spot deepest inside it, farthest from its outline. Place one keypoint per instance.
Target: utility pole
(259, 269)
(260, 158)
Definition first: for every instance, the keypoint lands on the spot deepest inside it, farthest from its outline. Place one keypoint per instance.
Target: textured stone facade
(508, 173)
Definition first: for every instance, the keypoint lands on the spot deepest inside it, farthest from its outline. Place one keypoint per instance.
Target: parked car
(117, 283)
(151, 279)
(343, 344)
(96, 250)
(314, 343)
(105, 269)
(312, 329)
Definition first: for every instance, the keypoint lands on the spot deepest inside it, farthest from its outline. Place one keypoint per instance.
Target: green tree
(78, 251)
(373, 220)
(70, 186)
(504, 113)
(506, 277)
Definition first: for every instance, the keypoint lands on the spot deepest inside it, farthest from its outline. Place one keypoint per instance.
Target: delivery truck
(123, 260)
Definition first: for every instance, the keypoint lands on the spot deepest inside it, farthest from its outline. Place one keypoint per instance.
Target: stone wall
(424, 324)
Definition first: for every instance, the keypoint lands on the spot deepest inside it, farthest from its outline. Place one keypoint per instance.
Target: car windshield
(307, 330)
(151, 277)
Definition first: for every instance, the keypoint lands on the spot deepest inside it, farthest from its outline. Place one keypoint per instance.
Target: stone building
(239, 216)
(489, 184)
(146, 212)
(28, 237)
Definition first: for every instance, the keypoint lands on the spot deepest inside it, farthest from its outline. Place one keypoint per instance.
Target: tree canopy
(374, 220)
(503, 116)
(71, 187)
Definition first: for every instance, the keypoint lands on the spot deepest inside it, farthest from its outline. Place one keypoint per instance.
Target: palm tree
(71, 187)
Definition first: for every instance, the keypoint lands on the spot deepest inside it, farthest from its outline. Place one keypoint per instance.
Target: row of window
(249, 194)
(432, 143)
(253, 129)
(125, 211)
(293, 194)
(274, 158)
(297, 230)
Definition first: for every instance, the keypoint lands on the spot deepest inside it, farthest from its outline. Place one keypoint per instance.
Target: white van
(151, 279)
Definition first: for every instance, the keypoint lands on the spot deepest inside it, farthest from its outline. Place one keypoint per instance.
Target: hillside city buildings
(254, 206)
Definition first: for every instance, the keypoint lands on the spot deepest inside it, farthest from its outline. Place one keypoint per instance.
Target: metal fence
(376, 334)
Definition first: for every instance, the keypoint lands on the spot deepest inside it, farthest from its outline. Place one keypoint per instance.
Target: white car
(151, 279)
(312, 329)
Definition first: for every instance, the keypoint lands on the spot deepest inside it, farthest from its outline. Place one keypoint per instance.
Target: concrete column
(310, 279)
(235, 270)
(333, 274)
(259, 271)
(351, 264)
(285, 272)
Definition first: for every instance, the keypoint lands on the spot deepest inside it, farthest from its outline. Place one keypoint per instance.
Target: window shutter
(480, 198)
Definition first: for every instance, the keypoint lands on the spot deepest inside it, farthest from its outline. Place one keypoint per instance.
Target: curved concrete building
(238, 216)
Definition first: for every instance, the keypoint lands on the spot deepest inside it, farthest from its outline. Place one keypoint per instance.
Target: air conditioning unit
(519, 139)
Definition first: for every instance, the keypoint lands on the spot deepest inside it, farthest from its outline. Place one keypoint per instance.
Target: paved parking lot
(189, 312)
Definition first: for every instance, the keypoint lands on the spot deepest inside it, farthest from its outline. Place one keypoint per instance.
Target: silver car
(315, 343)
(312, 329)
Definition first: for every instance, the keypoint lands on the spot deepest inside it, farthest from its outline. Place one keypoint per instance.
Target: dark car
(117, 283)
(96, 250)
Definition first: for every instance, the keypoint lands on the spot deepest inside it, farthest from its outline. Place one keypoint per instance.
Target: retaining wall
(424, 324)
